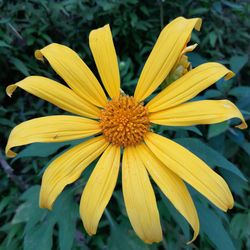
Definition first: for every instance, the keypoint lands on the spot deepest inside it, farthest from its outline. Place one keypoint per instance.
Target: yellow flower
(123, 123)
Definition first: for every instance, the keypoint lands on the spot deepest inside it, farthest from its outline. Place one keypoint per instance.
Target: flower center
(124, 121)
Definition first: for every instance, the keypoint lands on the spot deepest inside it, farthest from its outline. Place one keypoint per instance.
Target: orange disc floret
(124, 121)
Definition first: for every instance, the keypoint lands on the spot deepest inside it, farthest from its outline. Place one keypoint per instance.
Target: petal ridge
(172, 186)
(57, 94)
(56, 128)
(67, 168)
(191, 169)
(99, 188)
(189, 85)
(164, 55)
(103, 50)
(139, 198)
(198, 112)
(68, 64)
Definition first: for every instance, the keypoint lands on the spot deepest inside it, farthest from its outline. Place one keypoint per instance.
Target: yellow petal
(67, 168)
(74, 71)
(189, 49)
(168, 47)
(171, 185)
(189, 85)
(139, 198)
(99, 188)
(199, 112)
(183, 59)
(55, 128)
(103, 50)
(191, 169)
(56, 94)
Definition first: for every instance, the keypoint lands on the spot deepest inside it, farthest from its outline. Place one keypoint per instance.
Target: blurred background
(29, 25)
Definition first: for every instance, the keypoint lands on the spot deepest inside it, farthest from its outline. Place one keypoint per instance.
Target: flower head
(121, 123)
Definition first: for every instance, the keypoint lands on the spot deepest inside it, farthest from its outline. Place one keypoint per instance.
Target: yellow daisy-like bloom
(123, 123)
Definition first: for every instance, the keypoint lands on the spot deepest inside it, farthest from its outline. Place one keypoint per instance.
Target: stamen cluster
(124, 121)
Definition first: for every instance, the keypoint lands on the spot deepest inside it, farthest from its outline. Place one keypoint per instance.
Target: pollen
(124, 121)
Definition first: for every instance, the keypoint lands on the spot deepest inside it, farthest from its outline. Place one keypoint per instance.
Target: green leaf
(242, 94)
(66, 219)
(239, 138)
(29, 211)
(212, 93)
(119, 234)
(7, 122)
(4, 203)
(246, 146)
(40, 149)
(40, 237)
(188, 128)
(196, 59)
(179, 219)
(237, 63)
(40, 223)
(212, 226)
(4, 44)
(240, 225)
(44, 149)
(217, 129)
(224, 86)
(198, 11)
(13, 236)
(212, 38)
(20, 66)
(232, 5)
(237, 185)
(209, 155)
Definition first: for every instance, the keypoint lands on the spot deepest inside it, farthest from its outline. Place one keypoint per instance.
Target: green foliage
(39, 222)
(29, 25)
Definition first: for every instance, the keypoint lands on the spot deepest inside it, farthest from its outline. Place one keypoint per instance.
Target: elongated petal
(188, 86)
(189, 48)
(171, 185)
(199, 112)
(168, 47)
(55, 128)
(103, 50)
(56, 94)
(67, 168)
(99, 188)
(139, 198)
(191, 169)
(74, 71)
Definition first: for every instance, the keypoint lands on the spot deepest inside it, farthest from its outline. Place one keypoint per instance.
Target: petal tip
(243, 125)
(198, 24)
(153, 240)
(229, 75)
(39, 55)
(231, 204)
(89, 231)
(44, 204)
(193, 47)
(10, 154)
(10, 89)
(196, 233)
(107, 26)
(44, 198)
